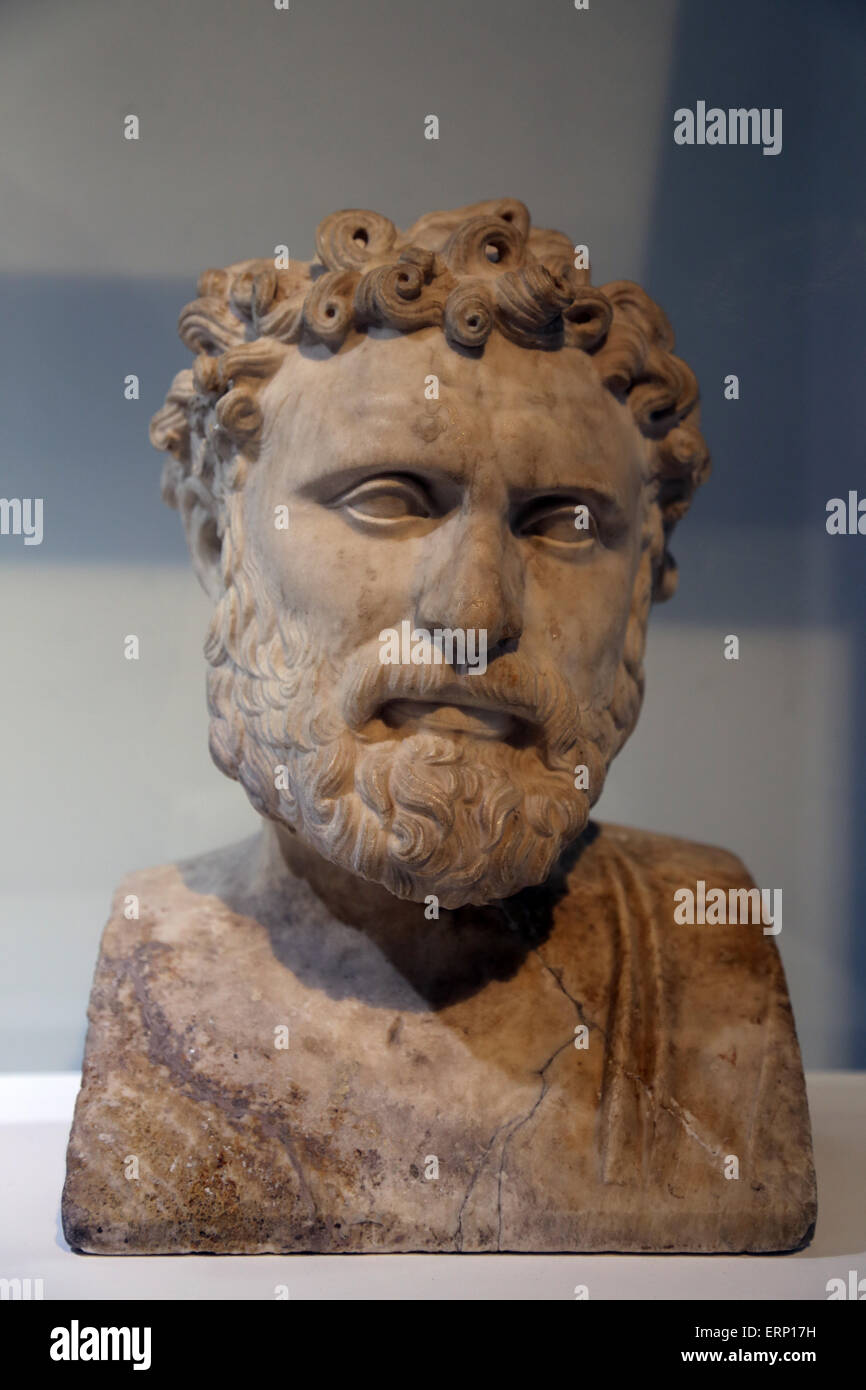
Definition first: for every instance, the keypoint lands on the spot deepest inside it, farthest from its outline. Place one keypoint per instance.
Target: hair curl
(470, 271)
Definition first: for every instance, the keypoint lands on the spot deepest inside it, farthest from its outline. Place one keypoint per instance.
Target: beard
(470, 820)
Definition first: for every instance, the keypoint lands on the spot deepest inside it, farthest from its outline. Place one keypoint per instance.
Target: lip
(453, 717)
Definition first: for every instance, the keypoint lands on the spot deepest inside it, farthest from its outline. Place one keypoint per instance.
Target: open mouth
(476, 721)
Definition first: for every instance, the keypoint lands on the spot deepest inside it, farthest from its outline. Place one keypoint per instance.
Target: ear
(202, 522)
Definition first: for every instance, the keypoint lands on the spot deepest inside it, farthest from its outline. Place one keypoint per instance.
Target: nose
(473, 578)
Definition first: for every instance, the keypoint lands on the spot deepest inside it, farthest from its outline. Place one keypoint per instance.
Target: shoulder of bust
(645, 883)
(670, 859)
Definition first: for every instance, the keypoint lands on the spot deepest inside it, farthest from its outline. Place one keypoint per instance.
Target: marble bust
(432, 1005)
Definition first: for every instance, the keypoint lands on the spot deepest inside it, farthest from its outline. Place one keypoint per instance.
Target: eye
(386, 500)
(561, 523)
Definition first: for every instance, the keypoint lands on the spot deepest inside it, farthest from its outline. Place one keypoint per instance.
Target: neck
(348, 897)
(443, 958)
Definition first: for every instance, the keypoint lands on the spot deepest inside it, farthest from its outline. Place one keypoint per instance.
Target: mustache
(542, 699)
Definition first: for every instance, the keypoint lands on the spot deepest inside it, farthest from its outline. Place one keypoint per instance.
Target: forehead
(537, 414)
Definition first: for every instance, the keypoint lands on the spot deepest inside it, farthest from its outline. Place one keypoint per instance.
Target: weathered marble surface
(541, 1147)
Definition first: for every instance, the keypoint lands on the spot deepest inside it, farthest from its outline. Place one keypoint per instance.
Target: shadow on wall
(759, 261)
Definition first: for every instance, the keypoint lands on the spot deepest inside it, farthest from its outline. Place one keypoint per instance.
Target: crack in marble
(458, 1234)
(517, 1125)
(557, 978)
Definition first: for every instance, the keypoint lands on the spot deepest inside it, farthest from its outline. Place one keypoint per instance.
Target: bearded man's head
(446, 429)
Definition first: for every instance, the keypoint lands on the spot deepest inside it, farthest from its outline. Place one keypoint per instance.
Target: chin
(457, 868)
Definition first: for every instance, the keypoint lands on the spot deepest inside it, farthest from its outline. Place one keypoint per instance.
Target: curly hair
(469, 271)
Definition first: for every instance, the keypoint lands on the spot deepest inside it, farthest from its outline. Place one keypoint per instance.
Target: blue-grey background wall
(255, 124)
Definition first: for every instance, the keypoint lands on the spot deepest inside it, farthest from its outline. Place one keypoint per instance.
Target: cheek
(346, 587)
(585, 615)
